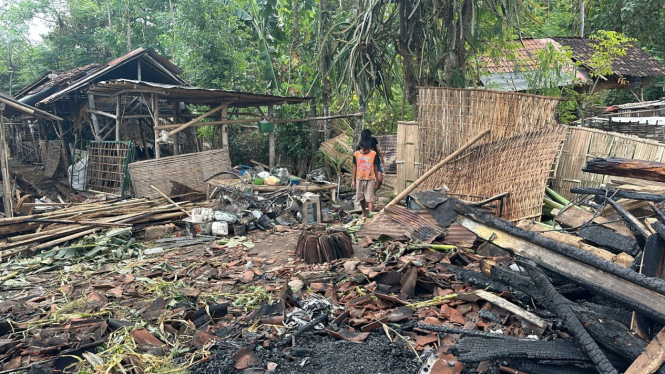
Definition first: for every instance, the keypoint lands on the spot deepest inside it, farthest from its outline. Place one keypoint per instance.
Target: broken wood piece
(436, 167)
(605, 237)
(169, 200)
(619, 194)
(608, 279)
(516, 310)
(574, 217)
(553, 301)
(641, 233)
(652, 358)
(622, 259)
(625, 167)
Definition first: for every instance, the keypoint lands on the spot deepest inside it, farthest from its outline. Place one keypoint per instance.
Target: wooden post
(118, 120)
(95, 122)
(436, 167)
(313, 127)
(225, 128)
(271, 114)
(176, 143)
(4, 164)
(155, 120)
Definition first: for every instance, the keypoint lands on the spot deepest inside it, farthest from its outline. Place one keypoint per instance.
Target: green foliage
(609, 45)
(554, 69)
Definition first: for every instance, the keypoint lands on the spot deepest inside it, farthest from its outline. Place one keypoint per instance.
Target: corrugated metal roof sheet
(383, 225)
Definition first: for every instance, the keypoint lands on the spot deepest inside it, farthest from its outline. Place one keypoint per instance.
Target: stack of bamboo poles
(45, 230)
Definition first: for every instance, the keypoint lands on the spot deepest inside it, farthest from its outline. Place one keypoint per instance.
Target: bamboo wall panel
(583, 144)
(408, 155)
(520, 165)
(450, 117)
(191, 170)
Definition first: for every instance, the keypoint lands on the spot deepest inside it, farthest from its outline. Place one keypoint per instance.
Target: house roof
(14, 107)
(636, 62)
(194, 94)
(519, 56)
(152, 66)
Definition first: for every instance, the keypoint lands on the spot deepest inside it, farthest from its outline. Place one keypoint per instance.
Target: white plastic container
(200, 215)
(220, 228)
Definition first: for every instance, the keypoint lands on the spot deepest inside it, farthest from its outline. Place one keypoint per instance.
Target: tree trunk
(581, 18)
(624, 167)
(409, 62)
(326, 57)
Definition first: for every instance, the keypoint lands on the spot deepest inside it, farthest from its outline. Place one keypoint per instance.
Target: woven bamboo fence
(191, 170)
(450, 117)
(339, 148)
(520, 165)
(583, 144)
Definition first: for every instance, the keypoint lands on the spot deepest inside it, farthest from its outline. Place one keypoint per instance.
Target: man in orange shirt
(365, 169)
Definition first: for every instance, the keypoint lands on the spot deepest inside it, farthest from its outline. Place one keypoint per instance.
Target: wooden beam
(211, 123)
(176, 120)
(271, 138)
(99, 112)
(4, 164)
(319, 118)
(225, 129)
(118, 120)
(604, 283)
(155, 119)
(652, 358)
(197, 119)
(95, 122)
(624, 167)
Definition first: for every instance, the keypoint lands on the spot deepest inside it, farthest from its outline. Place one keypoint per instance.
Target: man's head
(365, 145)
(365, 134)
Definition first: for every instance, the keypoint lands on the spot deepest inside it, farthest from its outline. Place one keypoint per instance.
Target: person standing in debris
(365, 169)
(366, 133)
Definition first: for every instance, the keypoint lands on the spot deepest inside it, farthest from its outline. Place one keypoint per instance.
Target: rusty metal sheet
(383, 225)
(458, 235)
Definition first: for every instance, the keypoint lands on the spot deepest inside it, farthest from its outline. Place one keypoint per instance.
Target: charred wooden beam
(578, 218)
(619, 194)
(624, 167)
(481, 281)
(530, 244)
(553, 301)
(608, 238)
(477, 349)
(609, 333)
(465, 332)
(634, 290)
(641, 233)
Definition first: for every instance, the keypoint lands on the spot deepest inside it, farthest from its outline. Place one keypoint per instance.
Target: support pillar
(225, 128)
(155, 120)
(95, 123)
(118, 120)
(4, 164)
(176, 143)
(271, 114)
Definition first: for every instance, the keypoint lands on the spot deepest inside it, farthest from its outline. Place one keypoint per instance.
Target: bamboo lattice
(450, 117)
(107, 166)
(583, 144)
(191, 170)
(519, 165)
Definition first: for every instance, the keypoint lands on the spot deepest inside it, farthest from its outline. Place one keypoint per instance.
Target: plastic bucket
(220, 228)
(239, 230)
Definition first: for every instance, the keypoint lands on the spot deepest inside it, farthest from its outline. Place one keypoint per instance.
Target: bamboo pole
(4, 163)
(169, 200)
(436, 167)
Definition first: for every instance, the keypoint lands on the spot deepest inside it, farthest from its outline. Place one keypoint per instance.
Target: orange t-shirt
(365, 164)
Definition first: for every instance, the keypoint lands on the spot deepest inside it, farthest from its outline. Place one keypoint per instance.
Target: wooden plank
(516, 310)
(652, 358)
(576, 271)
